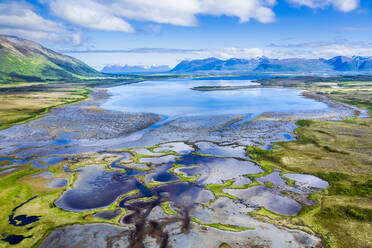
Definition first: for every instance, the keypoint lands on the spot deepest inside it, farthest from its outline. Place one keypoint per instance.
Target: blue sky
(147, 32)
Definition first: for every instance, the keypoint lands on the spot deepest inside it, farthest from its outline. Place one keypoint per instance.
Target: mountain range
(339, 64)
(25, 60)
(117, 69)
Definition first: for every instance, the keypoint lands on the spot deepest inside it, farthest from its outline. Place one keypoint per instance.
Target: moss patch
(224, 227)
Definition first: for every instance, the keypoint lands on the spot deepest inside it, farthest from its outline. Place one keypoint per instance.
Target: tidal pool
(178, 147)
(273, 178)
(224, 151)
(162, 174)
(158, 160)
(57, 183)
(95, 188)
(213, 170)
(182, 194)
(109, 214)
(7, 170)
(265, 197)
(15, 239)
(307, 180)
(46, 162)
(144, 151)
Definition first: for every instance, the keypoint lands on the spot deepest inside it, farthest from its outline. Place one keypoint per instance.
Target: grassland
(339, 152)
(223, 227)
(20, 106)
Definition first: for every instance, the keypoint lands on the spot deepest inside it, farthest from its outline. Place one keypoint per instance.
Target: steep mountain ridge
(22, 59)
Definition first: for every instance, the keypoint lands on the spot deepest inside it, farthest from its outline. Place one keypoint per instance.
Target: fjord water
(175, 98)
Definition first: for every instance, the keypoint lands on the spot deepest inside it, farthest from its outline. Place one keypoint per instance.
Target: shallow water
(216, 150)
(57, 183)
(158, 160)
(274, 178)
(184, 195)
(22, 220)
(178, 147)
(179, 100)
(144, 151)
(46, 162)
(162, 174)
(7, 171)
(265, 197)
(108, 215)
(15, 239)
(212, 170)
(45, 174)
(6, 159)
(95, 188)
(307, 180)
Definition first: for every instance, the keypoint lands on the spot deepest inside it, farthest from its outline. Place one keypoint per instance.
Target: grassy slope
(26, 60)
(36, 66)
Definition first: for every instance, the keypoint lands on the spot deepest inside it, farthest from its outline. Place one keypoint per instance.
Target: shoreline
(84, 91)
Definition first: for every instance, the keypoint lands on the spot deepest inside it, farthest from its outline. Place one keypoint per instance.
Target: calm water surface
(174, 98)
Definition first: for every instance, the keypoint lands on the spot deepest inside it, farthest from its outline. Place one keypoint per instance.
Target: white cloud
(244, 10)
(355, 28)
(20, 19)
(89, 14)
(181, 13)
(322, 49)
(342, 5)
(171, 57)
(112, 14)
(231, 52)
(299, 50)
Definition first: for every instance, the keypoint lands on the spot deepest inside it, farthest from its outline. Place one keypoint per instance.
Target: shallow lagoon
(95, 188)
(174, 98)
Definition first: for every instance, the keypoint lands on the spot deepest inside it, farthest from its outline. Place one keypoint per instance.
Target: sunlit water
(173, 98)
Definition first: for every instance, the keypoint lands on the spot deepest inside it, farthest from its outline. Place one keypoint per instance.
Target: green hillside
(24, 60)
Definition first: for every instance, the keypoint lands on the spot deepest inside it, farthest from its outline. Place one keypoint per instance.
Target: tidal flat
(129, 171)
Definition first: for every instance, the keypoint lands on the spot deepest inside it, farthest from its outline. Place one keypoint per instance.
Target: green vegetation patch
(167, 209)
(224, 227)
(304, 123)
(340, 153)
(182, 175)
(217, 189)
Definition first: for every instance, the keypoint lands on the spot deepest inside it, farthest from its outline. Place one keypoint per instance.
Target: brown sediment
(144, 227)
(332, 103)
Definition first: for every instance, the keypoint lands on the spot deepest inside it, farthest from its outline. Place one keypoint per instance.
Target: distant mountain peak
(338, 64)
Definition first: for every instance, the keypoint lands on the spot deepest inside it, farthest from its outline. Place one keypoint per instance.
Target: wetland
(158, 164)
